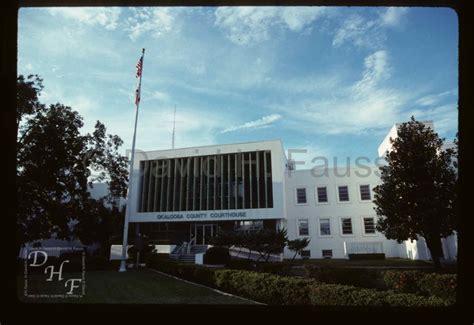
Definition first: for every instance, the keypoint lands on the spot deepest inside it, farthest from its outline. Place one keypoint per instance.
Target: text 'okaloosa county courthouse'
(186, 195)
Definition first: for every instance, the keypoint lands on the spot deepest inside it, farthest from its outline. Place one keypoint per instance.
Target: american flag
(137, 96)
(139, 67)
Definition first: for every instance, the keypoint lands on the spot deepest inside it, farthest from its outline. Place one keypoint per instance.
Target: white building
(185, 195)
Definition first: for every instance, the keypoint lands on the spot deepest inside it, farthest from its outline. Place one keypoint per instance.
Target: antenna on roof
(174, 128)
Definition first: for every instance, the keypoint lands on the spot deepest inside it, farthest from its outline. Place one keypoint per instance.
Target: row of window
(326, 253)
(342, 194)
(368, 224)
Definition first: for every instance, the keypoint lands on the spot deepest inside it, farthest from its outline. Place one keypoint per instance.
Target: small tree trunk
(294, 256)
(434, 245)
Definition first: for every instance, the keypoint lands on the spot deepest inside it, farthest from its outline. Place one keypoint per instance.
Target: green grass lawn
(142, 286)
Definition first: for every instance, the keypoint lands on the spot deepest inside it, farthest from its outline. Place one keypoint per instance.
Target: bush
(196, 273)
(282, 290)
(403, 281)
(341, 295)
(241, 264)
(217, 255)
(359, 277)
(430, 284)
(409, 300)
(439, 285)
(373, 256)
(264, 287)
(278, 268)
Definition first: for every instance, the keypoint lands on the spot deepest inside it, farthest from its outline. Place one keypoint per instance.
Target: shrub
(241, 264)
(341, 295)
(196, 273)
(359, 277)
(373, 256)
(264, 287)
(217, 255)
(282, 290)
(409, 300)
(279, 268)
(403, 281)
(439, 285)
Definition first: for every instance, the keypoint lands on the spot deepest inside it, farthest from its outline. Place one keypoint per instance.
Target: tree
(28, 91)
(54, 163)
(417, 196)
(100, 223)
(298, 245)
(267, 242)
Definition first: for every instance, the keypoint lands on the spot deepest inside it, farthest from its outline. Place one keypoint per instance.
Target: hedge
(264, 287)
(403, 281)
(430, 284)
(372, 256)
(217, 255)
(199, 274)
(341, 295)
(283, 290)
(359, 277)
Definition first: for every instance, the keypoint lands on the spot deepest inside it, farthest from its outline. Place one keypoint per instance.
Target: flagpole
(123, 261)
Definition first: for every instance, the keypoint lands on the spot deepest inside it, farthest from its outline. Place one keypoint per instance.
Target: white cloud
(445, 117)
(433, 98)
(392, 16)
(156, 21)
(155, 128)
(308, 155)
(360, 32)
(368, 33)
(376, 70)
(106, 17)
(244, 25)
(355, 108)
(262, 122)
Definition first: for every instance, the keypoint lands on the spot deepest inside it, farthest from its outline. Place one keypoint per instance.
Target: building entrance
(203, 233)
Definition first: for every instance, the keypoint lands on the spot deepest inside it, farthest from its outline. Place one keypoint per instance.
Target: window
(322, 194)
(343, 193)
(365, 193)
(346, 224)
(327, 253)
(369, 226)
(303, 227)
(306, 254)
(324, 227)
(300, 196)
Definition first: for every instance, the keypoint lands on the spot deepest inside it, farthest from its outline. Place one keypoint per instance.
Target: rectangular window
(327, 253)
(322, 194)
(346, 226)
(303, 227)
(325, 227)
(369, 226)
(365, 193)
(306, 254)
(300, 195)
(343, 193)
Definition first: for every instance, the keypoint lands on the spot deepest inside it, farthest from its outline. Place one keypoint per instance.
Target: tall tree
(417, 196)
(54, 163)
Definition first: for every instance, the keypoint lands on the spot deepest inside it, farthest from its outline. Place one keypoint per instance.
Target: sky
(329, 80)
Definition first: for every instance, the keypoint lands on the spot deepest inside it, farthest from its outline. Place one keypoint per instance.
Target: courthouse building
(186, 195)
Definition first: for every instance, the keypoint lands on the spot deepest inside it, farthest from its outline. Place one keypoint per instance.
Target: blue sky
(331, 80)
